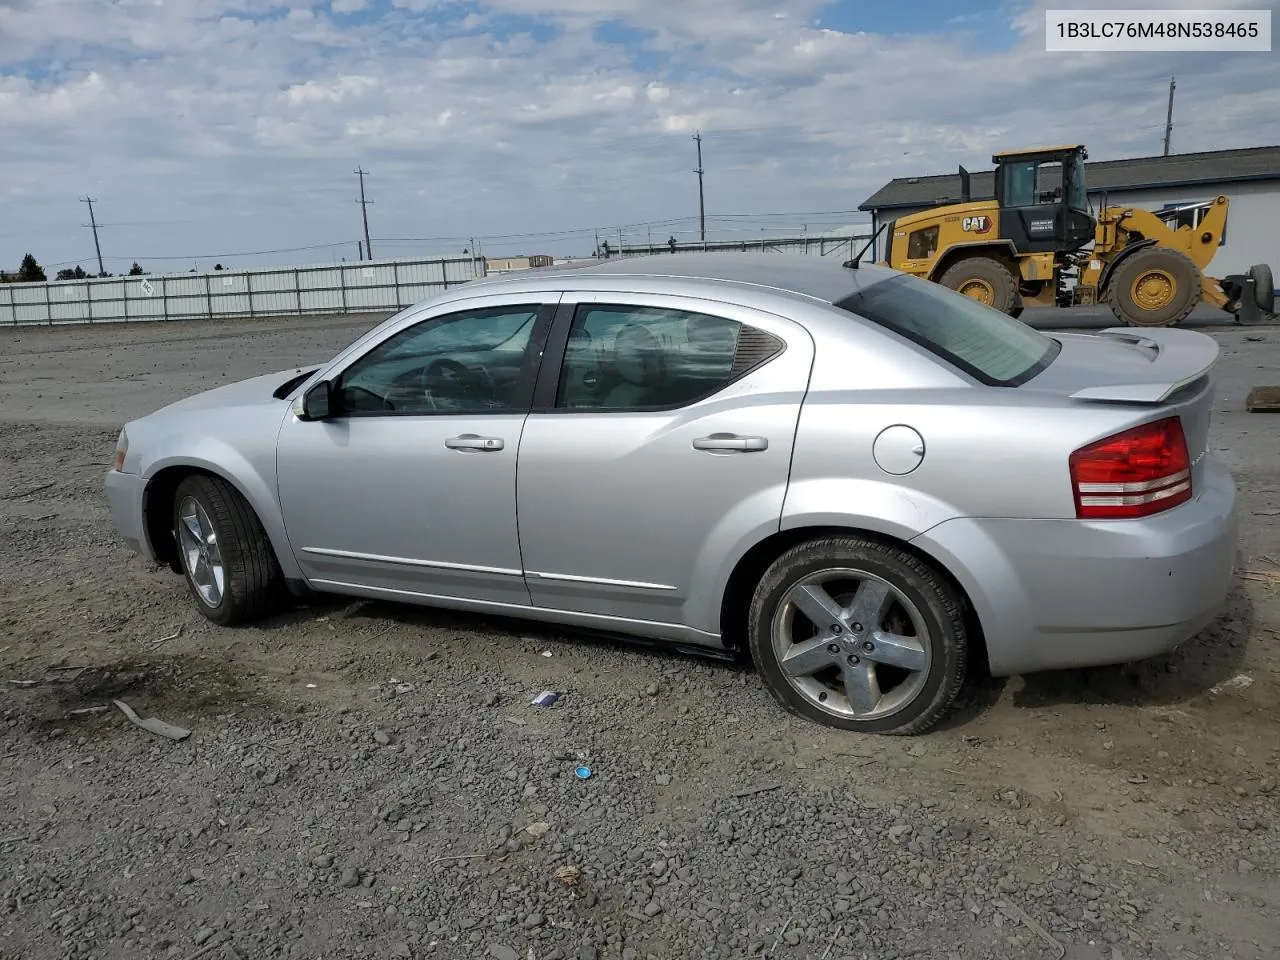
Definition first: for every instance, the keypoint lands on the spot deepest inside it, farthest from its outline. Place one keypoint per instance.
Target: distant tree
(136, 270)
(30, 271)
(217, 266)
(66, 273)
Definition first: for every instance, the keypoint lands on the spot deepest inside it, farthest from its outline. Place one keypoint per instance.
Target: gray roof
(820, 278)
(1179, 169)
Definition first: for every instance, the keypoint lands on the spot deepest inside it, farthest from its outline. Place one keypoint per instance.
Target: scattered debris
(1263, 400)
(45, 516)
(569, 875)
(1238, 682)
(582, 773)
(766, 788)
(831, 946)
(539, 829)
(1140, 778)
(1262, 576)
(382, 738)
(546, 653)
(4, 840)
(462, 856)
(1015, 912)
(173, 636)
(151, 724)
(545, 699)
(26, 493)
(403, 688)
(81, 711)
(517, 721)
(1256, 339)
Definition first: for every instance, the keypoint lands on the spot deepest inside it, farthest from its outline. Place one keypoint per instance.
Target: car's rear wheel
(858, 634)
(226, 557)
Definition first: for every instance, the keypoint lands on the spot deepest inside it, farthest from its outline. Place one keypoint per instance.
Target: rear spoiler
(1178, 358)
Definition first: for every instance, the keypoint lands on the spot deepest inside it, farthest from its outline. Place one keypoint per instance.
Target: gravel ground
(370, 780)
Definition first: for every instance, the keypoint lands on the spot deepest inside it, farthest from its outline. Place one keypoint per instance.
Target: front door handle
(470, 441)
(731, 441)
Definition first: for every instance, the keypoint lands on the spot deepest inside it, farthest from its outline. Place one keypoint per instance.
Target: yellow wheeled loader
(1040, 244)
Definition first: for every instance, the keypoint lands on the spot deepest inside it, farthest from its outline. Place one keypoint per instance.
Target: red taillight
(1132, 474)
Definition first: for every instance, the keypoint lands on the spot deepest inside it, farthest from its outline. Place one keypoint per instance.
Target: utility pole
(1168, 120)
(359, 249)
(702, 208)
(364, 210)
(94, 224)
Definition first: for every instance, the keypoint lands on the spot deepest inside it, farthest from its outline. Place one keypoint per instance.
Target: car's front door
(408, 488)
(659, 443)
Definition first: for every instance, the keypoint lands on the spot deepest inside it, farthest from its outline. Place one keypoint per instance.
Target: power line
(702, 206)
(364, 210)
(94, 224)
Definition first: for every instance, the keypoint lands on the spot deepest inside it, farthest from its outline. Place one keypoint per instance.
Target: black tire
(1264, 287)
(253, 584)
(992, 273)
(1179, 266)
(935, 599)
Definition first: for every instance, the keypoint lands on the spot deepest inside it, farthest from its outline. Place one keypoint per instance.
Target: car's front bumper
(1071, 593)
(125, 502)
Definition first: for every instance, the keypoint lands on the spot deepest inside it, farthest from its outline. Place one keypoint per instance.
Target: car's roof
(820, 278)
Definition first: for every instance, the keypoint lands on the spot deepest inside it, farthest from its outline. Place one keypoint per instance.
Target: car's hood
(255, 390)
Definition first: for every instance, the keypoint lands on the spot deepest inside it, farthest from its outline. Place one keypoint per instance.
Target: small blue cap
(582, 772)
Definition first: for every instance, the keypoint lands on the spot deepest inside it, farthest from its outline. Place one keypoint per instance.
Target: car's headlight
(122, 448)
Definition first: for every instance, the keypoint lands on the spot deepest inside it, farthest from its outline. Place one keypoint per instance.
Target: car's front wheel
(227, 559)
(860, 635)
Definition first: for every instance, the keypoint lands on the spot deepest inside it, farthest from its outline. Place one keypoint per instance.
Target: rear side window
(988, 345)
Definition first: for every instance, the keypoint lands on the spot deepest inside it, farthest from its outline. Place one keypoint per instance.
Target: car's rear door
(409, 488)
(659, 445)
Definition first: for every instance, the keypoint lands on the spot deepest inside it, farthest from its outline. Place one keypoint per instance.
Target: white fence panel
(377, 285)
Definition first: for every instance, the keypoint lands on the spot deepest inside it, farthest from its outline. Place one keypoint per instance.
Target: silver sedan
(862, 480)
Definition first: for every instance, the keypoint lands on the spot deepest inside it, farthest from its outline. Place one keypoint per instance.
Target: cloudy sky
(223, 129)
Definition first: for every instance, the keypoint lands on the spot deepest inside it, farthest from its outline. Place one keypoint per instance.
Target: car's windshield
(987, 344)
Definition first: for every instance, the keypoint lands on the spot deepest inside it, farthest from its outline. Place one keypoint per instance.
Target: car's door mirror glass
(317, 401)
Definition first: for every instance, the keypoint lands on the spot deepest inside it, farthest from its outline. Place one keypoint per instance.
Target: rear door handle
(470, 441)
(731, 441)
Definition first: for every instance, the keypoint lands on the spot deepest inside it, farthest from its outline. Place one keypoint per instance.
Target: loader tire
(1264, 287)
(985, 280)
(1154, 287)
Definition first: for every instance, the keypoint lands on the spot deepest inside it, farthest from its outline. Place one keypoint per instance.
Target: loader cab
(1044, 202)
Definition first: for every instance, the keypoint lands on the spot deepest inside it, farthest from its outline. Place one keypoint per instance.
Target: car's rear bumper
(124, 500)
(1070, 593)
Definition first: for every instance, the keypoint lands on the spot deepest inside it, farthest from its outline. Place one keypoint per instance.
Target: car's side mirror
(317, 402)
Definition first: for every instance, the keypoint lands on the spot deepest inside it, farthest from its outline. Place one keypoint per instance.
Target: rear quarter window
(990, 346)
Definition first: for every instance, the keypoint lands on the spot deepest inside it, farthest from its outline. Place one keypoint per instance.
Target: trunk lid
(1163, 371)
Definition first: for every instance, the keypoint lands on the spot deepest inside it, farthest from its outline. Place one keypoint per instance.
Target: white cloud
(232, 125)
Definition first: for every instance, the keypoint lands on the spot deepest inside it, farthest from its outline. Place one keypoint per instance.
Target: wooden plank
(1263, 400)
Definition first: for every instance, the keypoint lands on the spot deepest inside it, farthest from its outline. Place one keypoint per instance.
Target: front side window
(1019, 184)
(985, 343)
(628, 358)
(468, 362)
